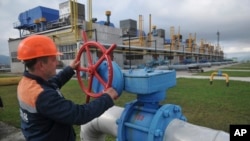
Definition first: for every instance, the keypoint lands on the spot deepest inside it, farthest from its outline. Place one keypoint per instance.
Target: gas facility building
(134, 47)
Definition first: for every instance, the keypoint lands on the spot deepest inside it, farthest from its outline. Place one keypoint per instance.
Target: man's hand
(74, 64)
(112, 93)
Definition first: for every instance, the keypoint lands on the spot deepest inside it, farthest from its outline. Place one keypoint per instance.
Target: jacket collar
(35, 77)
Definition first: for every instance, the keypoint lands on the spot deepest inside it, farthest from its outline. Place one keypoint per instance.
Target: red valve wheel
(91, 68)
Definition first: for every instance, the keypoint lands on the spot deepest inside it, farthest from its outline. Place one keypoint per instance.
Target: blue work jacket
(46, 115)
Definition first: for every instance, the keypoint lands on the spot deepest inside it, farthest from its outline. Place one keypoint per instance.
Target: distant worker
(45, 114)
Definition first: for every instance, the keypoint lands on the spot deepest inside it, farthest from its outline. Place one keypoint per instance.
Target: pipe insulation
(97, 129)
(177, 130)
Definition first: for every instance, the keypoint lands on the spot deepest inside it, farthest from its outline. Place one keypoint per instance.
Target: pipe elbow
(97, 129)
(89, 133)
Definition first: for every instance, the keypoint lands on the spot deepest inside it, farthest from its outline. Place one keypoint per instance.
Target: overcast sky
(203, 17)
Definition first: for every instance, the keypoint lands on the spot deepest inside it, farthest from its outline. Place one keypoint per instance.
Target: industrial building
(135, 48)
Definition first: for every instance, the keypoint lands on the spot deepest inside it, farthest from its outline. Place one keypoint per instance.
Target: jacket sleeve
(62, 77)
(52, 106)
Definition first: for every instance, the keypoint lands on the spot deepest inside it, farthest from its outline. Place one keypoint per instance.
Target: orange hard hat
(36, 46)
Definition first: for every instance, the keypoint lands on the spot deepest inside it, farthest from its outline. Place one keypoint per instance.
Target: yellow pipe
(150, 34)
(9, 81)
(194, 41)
(178, 38)
(172, 36)
(90, 23)
(73, 19)
(219, 74)
(140, 29)
(76, 19)
(190, 41)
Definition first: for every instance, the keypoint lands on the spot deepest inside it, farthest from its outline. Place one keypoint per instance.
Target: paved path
(186, 74)
(246, 79)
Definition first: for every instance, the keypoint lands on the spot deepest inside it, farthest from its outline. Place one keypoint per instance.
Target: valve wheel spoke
(99, 78)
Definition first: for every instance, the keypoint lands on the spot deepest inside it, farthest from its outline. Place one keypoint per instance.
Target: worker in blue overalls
(45, 114)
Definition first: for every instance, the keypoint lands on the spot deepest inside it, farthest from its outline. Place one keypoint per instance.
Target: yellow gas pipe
(219, 73)
(90, 22)
(73, 20)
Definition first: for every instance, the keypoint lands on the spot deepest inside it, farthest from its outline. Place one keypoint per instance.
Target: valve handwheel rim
(92, 67)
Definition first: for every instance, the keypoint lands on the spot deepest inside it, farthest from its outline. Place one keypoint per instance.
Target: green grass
(236, 70)
(10, 113)
(241, 65)
(215, 106)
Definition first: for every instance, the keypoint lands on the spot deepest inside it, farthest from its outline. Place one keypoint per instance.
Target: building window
(69, 51)
(14, 57)
(133, 56)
